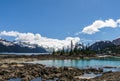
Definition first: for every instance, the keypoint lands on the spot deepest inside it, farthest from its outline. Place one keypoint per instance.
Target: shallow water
(25, 53)
(36, 79)
(15, 79)
(83, 63)
(88, 76)
(19, 79)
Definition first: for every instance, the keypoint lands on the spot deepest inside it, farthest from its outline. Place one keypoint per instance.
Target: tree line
(77, 49)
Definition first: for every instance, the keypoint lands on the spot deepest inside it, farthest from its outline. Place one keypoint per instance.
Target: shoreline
(14, 66)
(31, 71)
(29, 58)
(27, 72)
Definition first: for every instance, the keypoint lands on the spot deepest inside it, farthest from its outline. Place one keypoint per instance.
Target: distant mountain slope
(7, 46)
(101, 45)
(116, 41)
(107, 47)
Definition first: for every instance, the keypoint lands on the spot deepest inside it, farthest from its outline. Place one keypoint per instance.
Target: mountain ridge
(8, 46)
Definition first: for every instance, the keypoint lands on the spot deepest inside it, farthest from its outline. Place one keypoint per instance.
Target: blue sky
(59, 19)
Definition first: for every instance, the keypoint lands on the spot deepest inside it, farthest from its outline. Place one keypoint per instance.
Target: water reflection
(36, 79)
(82, 63)
(15, 79)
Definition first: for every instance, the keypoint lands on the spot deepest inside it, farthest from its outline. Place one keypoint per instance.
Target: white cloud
(39, 40)
(11, 33)
(99, 24)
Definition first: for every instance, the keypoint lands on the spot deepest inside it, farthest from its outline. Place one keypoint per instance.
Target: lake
(5, 53)
(83, 63)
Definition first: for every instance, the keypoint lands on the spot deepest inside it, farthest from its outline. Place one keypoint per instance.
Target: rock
(4, 66)
(27, 78)
(65, 68)
(28, 72)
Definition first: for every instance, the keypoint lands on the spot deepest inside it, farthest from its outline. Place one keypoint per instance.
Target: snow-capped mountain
(23, 44)
(19, 47)
(6, 43)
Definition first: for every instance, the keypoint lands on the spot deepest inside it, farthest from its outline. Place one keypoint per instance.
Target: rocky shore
(109, 76)
(13, 66)
(30, 71)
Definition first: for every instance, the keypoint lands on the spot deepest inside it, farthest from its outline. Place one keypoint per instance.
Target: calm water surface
(83, 63)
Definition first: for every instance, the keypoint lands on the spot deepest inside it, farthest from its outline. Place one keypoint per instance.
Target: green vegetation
(77, 50)
(111, 50)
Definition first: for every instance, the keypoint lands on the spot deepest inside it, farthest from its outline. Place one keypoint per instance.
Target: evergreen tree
(62, 51)
(53, 52)
(71, 50)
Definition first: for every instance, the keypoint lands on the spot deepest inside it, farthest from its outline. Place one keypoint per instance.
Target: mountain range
(20, 47)
(106, 46)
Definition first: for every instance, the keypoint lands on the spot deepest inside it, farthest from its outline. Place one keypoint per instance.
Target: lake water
(83, 63)
(36, 79)
(24, 53)
(19, 79)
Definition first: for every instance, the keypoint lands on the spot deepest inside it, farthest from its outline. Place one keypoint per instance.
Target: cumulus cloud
(11, 33)
(99, 24)
(40, 40)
